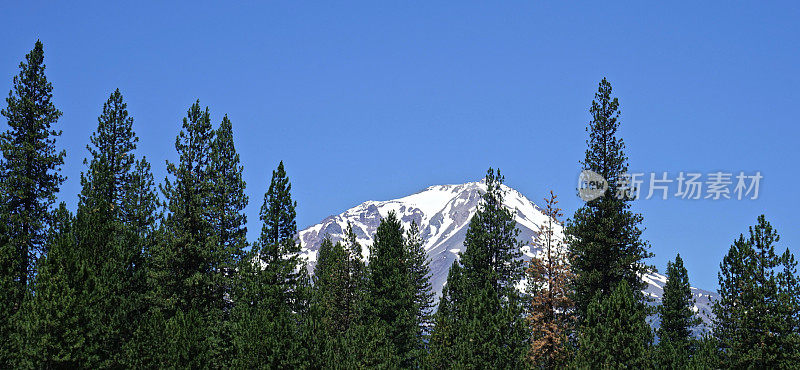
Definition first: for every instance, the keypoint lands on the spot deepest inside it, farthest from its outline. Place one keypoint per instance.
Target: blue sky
(375, 101)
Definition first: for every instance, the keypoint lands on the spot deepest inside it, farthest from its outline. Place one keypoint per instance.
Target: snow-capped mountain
(443, 213)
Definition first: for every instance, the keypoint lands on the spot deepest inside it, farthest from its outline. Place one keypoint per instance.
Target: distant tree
(677, 317)
(480, 315)
(551, 315)
(30, 180)
(756, 314)
(615, 333)
(605, 235)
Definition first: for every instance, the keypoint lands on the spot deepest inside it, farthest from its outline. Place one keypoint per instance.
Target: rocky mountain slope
(443, 213)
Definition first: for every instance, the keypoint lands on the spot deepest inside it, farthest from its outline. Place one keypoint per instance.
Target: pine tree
(228, 198)
(756, 314)
(604, 235)
(184, 269)
(228, 221)
(423, 294)
(391, 293)
(480, 314)
(677, 317)
(445, 346)
(271, 296)
(51, 325)
(615, 333)
(551, 315)
(109, 239)
(30, 180)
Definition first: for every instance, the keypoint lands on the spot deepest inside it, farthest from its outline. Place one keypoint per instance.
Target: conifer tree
(30, 180)
(605, 235)
(271, 294)
(51, 325)
(756, 314)
(551, 315)
(615, 333)
(228, 221)
(228, 198)
(109, 240)
(423, 294)
(184, 264)
(480, 314)
(391, 292)
(445, 346)
(677, 317)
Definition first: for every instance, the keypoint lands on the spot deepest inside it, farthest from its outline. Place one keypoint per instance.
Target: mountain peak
(443, 213)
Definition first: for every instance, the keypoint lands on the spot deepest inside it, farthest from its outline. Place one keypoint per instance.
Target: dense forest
(160, 275)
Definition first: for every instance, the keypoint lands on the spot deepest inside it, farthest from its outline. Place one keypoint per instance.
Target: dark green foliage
(423, 294)
(480, 318)
(605, 235)
(391, 291)
(30, 180)
(445, 344)
(615, 333)
(757, 311)
(228, 199)
(51, 326)
(271, 295)
(677, 318)
(116, 212)
(185, 266)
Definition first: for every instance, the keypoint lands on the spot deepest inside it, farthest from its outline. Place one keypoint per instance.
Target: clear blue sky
(366, 101)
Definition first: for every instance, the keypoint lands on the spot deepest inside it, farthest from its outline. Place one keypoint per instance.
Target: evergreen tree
(228, 221)
(110, 242)
(423, 294)
(615, 333)
(271, 295)
(480, 315)
(756, 314)
(445, 346)
(391, 292)
(228, 198)
(185, 266)
(551, 315)
(51, 326)
(605, 235)
(677, 317)
(30, 179)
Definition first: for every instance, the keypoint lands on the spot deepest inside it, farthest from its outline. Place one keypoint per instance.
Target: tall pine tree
(391, 293)
(110, 241)
(272, 293)
(184, 270)
(756, 314)
(480, 319)
(30, 181)
(677, 317)
(605, 235)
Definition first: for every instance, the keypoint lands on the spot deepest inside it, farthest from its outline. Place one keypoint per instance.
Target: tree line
(161, 275)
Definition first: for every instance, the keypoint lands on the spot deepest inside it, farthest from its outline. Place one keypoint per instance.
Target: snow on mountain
(443, 213)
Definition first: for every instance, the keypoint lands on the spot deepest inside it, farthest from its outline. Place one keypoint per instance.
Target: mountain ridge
(443, 213)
